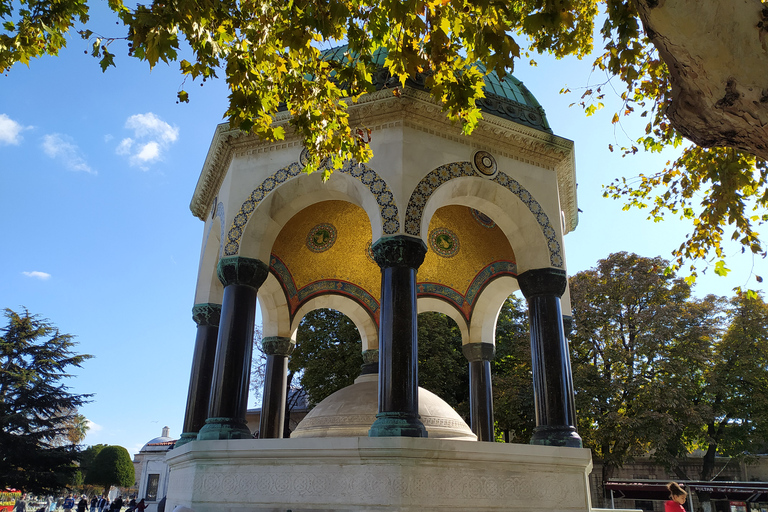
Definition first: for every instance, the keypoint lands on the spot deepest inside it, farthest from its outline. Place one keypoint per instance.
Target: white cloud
(151, 137)
(10, 131)
(93, 427)
(60, 147)
(150, 151)
(43, 276)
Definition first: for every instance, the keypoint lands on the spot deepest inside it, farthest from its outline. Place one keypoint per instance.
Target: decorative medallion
(444, 242)
(482, 219)
(484, 164)
(369, 252)
(304, 157)
(321, 237)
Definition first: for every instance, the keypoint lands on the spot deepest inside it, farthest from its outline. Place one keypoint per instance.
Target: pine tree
(36, 408)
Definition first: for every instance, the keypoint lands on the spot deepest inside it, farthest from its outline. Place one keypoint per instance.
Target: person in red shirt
(676, 498)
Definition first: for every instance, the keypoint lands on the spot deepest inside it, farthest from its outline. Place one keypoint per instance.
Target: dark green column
(399, 258)
(207, 317)
(551, 362)
(479, 356)
(228, 402)
(277, 350)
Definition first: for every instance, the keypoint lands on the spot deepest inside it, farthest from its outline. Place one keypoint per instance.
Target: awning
(657, 490)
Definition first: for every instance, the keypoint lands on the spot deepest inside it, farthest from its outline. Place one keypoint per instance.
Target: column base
(397, 424)
(556, 436)
(185, 438)
(224, 428)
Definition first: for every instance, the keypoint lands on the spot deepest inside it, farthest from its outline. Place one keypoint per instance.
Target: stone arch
(478, 192)
(209, 288)
(275, 311)
(425, 304)
(482, 326)
(372, 194)
(366, 327)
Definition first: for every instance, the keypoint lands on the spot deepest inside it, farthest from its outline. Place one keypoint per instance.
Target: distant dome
(507, 97)
(351, 411)
(162, 443)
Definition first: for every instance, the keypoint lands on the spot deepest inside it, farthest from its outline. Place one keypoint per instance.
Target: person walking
(82, 505)
(21, 504)
(676, 498)
(141, 506)
(69, 503)
(94, 503)
(116, 505)
(103, 503)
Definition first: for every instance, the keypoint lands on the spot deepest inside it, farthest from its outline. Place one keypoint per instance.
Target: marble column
(479, 356)
(228, 402)
(552, 379)
(399, 258)
(277, 349)
(207, 317)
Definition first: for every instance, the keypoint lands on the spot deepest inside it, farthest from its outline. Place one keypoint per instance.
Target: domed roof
(504, 97)
(351, 411)
(162, 443)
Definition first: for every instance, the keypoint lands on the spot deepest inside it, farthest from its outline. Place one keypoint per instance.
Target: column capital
(241, 270)
(479, 351)
(370, 362)
(277, 346)
(207, 314)
(399, 251)
(542, 281)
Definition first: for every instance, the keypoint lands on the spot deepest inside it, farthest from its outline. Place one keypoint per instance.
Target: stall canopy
(657, 490)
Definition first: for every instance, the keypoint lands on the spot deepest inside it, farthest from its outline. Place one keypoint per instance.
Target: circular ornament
(484, 164)
(444, 242)
(482, 219)
(321, 237)
(304, 157)
(369, 252)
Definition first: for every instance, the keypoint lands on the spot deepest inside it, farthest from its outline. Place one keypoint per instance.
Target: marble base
(376, 474)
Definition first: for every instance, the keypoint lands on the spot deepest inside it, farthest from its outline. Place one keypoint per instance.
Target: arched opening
(442, 366)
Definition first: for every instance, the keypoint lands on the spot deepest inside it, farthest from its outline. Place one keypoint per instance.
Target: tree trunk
(717, 54)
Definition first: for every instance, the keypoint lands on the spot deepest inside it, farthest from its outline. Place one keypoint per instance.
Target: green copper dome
(506, 97)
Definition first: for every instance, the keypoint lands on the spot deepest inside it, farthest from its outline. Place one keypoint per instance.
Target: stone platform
(376, 474)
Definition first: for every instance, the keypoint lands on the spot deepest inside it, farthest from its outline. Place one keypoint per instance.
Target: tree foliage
(716, 388)
(37, 411)
(328, 353)
(442, 366)
(659, 371)
(512, 374)
(111, 466)
(271, 55)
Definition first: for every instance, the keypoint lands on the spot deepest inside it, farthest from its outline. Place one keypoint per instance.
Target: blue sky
(96, 174)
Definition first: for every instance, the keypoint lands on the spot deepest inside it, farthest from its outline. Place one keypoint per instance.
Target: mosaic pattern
(447, 172)
(492, 271)
(297, 297)
(444, 242)
(378, 187)
(321, 237)
(482, 219)
(465, 303)
(369, 252)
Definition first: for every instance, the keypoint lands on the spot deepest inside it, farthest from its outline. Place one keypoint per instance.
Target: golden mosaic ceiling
(330, 241)
(478, 246)
(344, 260)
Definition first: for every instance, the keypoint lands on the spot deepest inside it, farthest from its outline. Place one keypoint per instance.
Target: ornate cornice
(417, 110)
